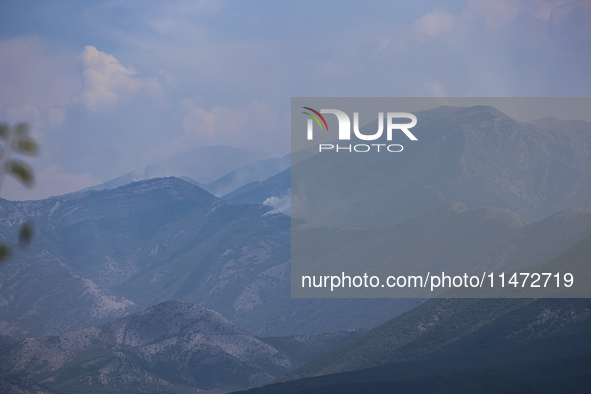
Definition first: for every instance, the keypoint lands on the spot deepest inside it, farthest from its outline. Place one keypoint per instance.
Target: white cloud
(436, 22)
(239, 64)
(107, 82)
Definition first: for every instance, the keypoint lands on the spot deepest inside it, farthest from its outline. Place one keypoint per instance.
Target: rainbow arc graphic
(316, 117)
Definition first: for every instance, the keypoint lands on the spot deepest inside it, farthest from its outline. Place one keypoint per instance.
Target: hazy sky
(111, 86)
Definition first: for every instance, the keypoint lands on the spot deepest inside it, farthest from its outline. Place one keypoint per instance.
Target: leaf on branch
(26, 233)
(4, 131)
(20, 171)
(26, 146)
(4, 252)
(21, 129)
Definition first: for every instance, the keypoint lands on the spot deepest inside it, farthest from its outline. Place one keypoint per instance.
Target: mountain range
(172, 347)
(100, 255)
(460, 345)
(91, 305)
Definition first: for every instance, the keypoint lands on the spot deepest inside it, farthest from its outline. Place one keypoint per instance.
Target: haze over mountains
(218, 169)
(235, 167)
(105, 265)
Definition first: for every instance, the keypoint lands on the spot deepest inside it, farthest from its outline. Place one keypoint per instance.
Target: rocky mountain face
(99, 255)
(171, 347)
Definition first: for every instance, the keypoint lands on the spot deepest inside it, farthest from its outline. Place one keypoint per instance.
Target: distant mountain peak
(175, 189)
(158, 183)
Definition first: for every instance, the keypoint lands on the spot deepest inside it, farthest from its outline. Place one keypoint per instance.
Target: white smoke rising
(280, 204)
